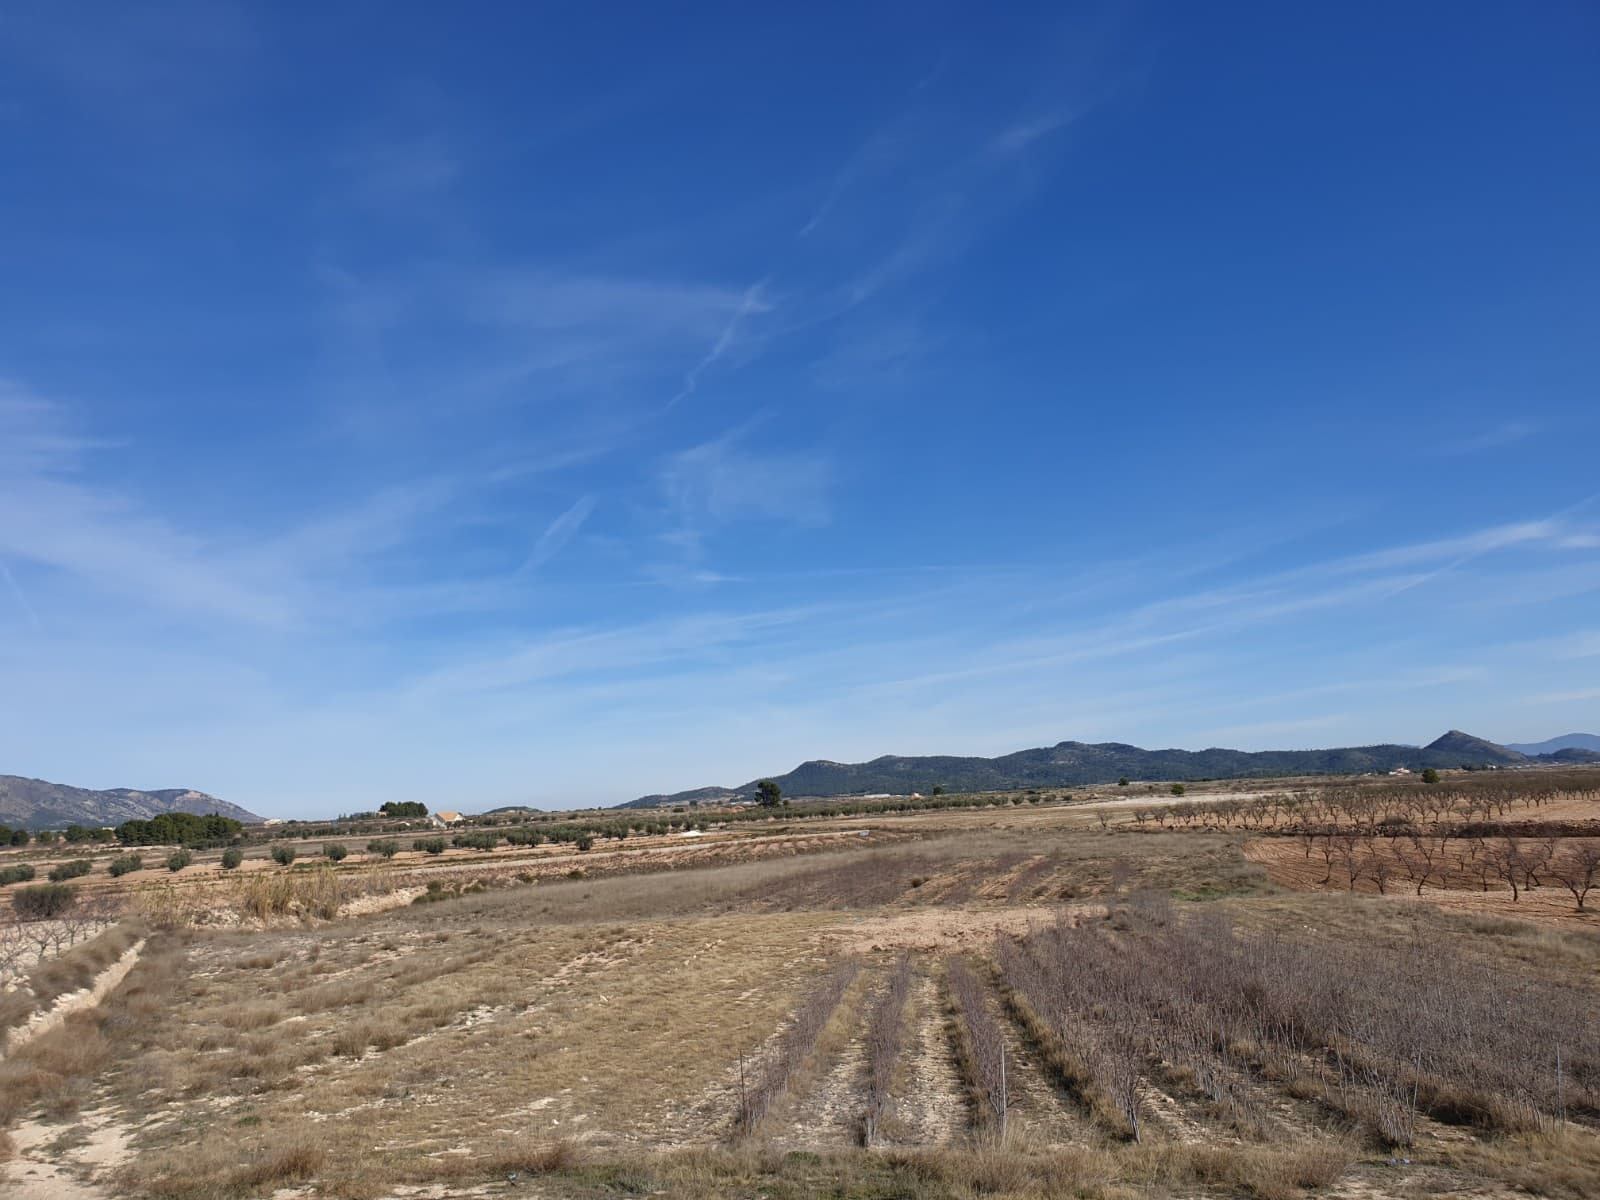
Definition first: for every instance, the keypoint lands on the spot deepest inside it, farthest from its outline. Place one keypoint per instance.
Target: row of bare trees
(1071, 989)
(765, 1078)
(1373, 808)
(1383, 1032)
(885, 1038)
(1521, 864)
(26, 942)
(983, 1047)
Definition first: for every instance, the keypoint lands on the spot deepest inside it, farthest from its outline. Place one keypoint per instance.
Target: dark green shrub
(336, 851)
(283, 855)
(61, 872)
(585, 842)
(125, 863)
(1430, 776)
(429, 845)
(231, 858)
(178, 860)
(385, 847)
(20, 873)
(42, 901)
(1177, 789)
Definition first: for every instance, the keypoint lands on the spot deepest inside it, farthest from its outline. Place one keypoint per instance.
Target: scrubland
(1106, 999)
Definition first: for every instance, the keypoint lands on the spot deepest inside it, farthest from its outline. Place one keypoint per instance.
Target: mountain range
(1567, 741)
(37, 804)
(1074, 764)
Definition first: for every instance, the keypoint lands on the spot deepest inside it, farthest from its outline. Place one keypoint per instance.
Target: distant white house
(446, 818)
(1401, 771)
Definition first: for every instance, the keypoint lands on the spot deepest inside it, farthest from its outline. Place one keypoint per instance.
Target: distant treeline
(180, 829)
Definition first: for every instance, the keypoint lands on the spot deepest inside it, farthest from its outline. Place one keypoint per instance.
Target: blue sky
(553, 403)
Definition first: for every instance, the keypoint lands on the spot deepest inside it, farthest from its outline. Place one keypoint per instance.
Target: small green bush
(123, 864)
(384, 847)
(283, 855)
(585, 842)
(42, 901)
(1430, 776)
(336, 851)
(178, 860)
(62, 872)
(20, 873)
(429, 845)
(231, 858)
(1177, 789)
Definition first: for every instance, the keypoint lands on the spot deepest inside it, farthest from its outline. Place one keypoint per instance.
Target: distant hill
(1476, 750)
(1074, 764)
(1567, 741)
(36, 804)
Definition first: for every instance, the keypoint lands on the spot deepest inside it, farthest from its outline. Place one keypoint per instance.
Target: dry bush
(54, 1070)
(232, 1166)
(173, 906)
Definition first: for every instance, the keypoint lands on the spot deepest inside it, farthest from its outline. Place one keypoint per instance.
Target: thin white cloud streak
(1571, 697)
(751, 303)
(18, 595)
(1024, 134)
(558, 533)
(1493, 439)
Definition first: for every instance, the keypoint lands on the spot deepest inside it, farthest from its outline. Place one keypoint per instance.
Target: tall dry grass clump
(314, 894)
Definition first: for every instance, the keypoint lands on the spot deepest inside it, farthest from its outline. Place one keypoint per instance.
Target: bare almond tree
(1577, 868)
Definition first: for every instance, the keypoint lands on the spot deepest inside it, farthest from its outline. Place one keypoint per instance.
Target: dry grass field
(1120, 997)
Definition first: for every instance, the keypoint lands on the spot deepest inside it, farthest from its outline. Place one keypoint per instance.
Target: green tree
(403, 808)
(70, 870)
(1123, 782)
(336, 851)
(769, 794)
(383, 847)
(1177, 789)
(231, 858)
(178, 860)
(123, 864)
(1430, 776)
(283, 855)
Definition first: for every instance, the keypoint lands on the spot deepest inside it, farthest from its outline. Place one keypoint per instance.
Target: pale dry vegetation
(1141, 1013)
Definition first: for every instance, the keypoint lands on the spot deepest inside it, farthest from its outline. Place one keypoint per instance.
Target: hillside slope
(1072, 764)
(38, 804)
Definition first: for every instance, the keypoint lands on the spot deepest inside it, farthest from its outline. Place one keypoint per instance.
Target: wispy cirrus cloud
(1491, 439)
(558, 533)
